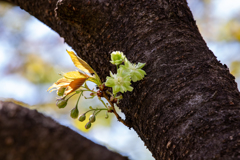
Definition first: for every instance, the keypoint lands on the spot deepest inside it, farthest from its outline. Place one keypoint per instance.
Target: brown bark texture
(188, 105)
(28, 135)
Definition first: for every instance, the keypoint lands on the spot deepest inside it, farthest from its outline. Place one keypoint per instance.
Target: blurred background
(32, 56)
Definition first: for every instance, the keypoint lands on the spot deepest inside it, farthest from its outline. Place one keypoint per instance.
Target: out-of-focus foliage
(28, 52)
(36, 70)
(219, 24)
(230, 31)
(235, 68)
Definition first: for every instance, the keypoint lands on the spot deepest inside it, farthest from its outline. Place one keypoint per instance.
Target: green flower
(117, 57)
(119, 82)
(134, 70)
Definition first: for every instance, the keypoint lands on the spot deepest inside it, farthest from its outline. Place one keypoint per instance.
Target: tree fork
(187, 107)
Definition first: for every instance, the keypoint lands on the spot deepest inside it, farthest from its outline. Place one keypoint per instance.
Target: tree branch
(27, 134)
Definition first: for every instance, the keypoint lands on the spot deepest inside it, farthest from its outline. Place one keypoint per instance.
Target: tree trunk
(28, 135)
(187, 107)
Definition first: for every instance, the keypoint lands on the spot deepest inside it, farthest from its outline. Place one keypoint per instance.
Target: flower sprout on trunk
(74, 82)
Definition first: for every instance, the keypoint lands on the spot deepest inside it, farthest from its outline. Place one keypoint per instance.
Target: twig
(114, 111)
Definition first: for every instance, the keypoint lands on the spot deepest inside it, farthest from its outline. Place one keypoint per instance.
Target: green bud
(61, 103)
(88, 125)
(92, 118)
(74, 113)
(82, 118)
(90, 107)
(117, 57)
(61, 91)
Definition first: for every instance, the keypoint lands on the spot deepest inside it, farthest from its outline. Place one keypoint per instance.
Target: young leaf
(94, 80)
(79, 63)
(74, 85)
(75, 75)
(62, 82)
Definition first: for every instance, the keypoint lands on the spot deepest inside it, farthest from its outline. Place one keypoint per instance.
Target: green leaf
(94, 80)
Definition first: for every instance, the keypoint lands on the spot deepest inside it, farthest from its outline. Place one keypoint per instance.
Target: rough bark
(29, 135)
(187, 107)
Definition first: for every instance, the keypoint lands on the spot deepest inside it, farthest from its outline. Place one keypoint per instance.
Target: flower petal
(110, 82)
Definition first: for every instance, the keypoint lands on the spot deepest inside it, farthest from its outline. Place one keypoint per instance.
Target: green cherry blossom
(117, 57)
(119, 82)
(134, 70)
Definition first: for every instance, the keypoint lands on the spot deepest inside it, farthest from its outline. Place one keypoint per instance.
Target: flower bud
(92, 118)
(92, 94)
(99, 93)
(117, 57)
(113, 100)
(61, 103)
(88, 125)
(61, 91)
(102, 87)
(74, 113)
(82, 117)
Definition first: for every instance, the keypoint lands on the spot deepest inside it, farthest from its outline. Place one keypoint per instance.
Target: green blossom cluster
(127, 72)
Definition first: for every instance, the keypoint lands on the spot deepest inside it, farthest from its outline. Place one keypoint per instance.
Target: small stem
(87, 89)
(79, 98)
(114, 111)
(103, 103)
(96, 110)
(109, 93)
(71, 96)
